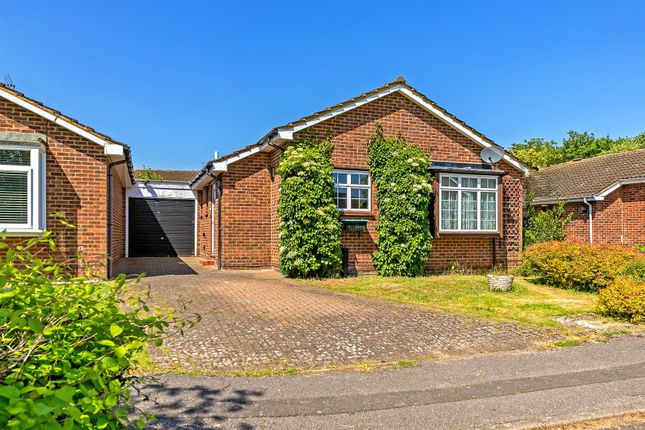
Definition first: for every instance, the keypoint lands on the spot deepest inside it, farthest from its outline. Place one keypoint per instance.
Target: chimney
(216, 155)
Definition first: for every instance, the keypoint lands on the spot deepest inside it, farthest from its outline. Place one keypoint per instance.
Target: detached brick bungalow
(605, 194)
(477, 215)
(51, 163)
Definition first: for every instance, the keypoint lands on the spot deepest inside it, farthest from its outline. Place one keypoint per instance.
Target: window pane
(488, 211)
(449, 210)
(360, 198)
(340, 196)
(469, 210)
(16, 157)
(339, 178)
(13, 197)
(489, 183)
(359, 179)
(469, 182)
(449, 181)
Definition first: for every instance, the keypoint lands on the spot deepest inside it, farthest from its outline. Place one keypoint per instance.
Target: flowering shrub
(636, 269)
(575, 265)
(310, 228)
(400, 172)
(624, 298)
(67, 346)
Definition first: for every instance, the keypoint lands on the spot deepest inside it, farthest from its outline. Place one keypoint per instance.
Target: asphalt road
(505, 391)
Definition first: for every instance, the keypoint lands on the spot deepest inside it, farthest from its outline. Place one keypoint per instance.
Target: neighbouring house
(52, 164)
(605, 194)
(477, 214)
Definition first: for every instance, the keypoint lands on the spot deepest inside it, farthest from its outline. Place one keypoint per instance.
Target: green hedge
(68, 345)
(625, 299)
(403, 184)
(577, 266)
(310, 227)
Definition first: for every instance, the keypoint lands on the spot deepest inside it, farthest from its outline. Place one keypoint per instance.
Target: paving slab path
(256, 319)
(496, 391)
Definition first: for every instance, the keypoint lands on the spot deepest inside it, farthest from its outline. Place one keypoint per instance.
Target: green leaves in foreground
(67, 345)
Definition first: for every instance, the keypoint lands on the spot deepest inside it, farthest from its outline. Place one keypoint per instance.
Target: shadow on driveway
(194, 407)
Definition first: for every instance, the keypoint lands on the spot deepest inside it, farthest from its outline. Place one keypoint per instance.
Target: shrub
(636, 269)
(403, 193)
(575, 265)
(624, 298)
(545, 225)
(67, 345)
(310, 228)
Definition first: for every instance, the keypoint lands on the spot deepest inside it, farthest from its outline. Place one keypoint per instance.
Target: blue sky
(177, 80)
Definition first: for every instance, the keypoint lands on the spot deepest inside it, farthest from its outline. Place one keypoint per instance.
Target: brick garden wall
(76, 188)
(251, 193)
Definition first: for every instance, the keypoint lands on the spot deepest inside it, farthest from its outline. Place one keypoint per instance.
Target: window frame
(460, 189)
(351, 186)
(36, 195)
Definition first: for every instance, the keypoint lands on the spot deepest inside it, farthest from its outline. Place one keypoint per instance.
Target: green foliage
(575, 265)
(68, 344)
(545, 225)
(636, 270)
(310, 228)
(538, 152)
(403, 194)
(625, 299)
(147, 174)
(640, 248)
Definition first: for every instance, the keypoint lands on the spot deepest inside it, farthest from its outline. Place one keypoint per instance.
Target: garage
(160, 220)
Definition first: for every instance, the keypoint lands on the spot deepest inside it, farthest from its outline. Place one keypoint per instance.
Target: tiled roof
(171, 175)
(80, 125)
(587, 177)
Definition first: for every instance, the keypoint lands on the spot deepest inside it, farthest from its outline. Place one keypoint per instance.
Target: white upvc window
(22, 189)
(352, 190)
(468, 203)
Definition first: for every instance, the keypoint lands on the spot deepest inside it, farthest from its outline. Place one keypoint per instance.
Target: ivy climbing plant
(403, 185)
(310, 228)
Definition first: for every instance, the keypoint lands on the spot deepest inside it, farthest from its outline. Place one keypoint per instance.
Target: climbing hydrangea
(400, 172)
(310, 228)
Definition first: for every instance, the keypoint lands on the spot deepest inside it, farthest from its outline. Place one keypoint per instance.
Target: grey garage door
(161, 227)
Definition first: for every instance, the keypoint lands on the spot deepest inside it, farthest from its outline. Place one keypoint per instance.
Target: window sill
(468, 233)
(356, 213)
(17, 232)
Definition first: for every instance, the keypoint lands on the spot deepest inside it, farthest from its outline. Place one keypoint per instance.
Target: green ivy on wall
(310, 228)
(403, 184)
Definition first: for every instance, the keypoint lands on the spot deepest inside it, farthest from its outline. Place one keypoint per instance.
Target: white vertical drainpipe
(590, 207)
(213, 218)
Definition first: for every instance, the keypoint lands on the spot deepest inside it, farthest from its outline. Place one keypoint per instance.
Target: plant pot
(501, 283)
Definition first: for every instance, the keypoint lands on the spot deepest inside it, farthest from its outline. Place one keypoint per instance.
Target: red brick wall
(76, 188)
(118, 219)
(204, 226)
(251, 194)
(617, 220)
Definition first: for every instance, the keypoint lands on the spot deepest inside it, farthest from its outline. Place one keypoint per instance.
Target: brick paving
(255, 319)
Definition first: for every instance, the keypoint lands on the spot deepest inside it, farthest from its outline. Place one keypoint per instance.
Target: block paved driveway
(255, 319)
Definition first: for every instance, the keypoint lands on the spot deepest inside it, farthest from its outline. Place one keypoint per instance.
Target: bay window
(352, 190)
(21, 188)
(468, 203)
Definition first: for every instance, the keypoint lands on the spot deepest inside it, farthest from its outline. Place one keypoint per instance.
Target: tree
(147, 174)
(538, 152)
(545, 225)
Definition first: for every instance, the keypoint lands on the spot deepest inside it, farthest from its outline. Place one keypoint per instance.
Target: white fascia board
(53, 118)
(456, 125)
(113, 149)
(620, 183)
(537, 202)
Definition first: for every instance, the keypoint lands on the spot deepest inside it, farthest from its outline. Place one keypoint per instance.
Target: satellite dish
(492, 154)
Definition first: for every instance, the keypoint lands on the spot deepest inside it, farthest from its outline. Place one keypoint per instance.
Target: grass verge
(469, 295)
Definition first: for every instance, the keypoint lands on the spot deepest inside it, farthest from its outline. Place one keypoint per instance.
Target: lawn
(469, 295)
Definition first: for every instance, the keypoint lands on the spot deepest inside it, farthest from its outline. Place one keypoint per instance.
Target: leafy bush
(575, 265)
(636, 270)
(624, 298)
(403, 188)
(545, 225)
(68, 344)
(310, 228)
